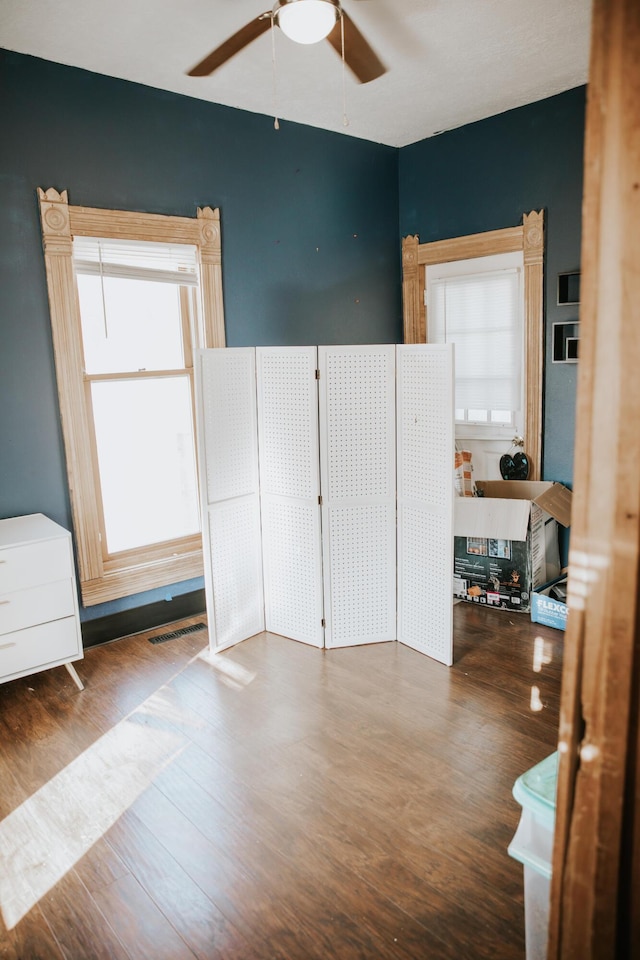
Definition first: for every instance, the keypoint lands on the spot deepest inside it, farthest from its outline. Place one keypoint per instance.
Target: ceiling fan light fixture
(306, 21)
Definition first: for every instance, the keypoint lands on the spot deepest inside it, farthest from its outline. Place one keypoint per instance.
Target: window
(527, 240)
(131, 295)
(137, 316)
(478, 305)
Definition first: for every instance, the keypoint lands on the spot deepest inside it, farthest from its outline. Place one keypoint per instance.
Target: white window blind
(136, 260)
(481, 314)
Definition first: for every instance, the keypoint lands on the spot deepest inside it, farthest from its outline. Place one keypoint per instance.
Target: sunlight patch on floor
(48, 834)
(536, 703)
(542, 654)
(231, 673)
(41, 840)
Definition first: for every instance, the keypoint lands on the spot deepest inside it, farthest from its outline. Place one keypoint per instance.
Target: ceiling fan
(304, 21)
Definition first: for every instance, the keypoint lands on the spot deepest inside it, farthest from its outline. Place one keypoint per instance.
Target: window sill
(481, 432)
(126, 581)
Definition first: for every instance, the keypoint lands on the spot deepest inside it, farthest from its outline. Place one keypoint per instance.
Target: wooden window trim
(130, 571)
(528, 239)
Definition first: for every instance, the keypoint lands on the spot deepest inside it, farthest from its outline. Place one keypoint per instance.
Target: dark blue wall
(309, 227)
(484, 176)
(309, 224)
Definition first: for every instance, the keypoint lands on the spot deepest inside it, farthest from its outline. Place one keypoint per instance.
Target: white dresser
(39, 622)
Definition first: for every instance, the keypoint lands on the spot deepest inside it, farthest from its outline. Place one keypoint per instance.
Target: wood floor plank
(122, 674)
(29, 743)
(444, 885)
(139, 924)
(305, 885)
(202, 926)
(100, 866)
(452, 916)
(252, 907)
(78, 923)
(31, 939)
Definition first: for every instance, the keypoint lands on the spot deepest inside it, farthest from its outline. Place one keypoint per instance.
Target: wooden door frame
(528, 239)
(595, 895)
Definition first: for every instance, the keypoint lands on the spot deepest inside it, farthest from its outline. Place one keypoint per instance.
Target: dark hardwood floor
(277, 802)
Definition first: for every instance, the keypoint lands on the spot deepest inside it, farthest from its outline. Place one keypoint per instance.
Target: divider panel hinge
(320, 499)
(317, 374)
(323, 622)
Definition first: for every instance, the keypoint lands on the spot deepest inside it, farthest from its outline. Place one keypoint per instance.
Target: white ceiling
(450, 62)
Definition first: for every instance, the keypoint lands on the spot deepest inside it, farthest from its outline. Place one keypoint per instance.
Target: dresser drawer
(35, 648)
(25, 608)
(34, 563)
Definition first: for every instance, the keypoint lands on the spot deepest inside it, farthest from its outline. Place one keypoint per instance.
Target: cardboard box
(506, 541)
(548, 609)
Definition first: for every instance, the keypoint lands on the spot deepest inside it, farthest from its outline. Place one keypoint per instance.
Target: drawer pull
(6, 646)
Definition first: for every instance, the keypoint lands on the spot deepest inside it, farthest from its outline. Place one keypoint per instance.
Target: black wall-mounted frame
(569, 288)
(566, 341)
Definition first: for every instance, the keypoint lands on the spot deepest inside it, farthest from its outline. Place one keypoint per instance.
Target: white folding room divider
(264, 549)
(425, 382)
(358, 480)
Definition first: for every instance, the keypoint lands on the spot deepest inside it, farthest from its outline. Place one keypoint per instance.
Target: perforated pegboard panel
(293, 569)
(229, 493)
(357, 422)
(236, 571)
(228, 411)
(360, 574)
(290, 485)
(357, 470)
(425, 588)
(425, 498)
(425, 424)
(288, 421)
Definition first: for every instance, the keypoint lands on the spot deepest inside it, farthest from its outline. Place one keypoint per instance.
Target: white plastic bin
(532, 845)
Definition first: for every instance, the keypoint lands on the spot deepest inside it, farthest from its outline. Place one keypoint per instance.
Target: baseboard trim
(126, 622)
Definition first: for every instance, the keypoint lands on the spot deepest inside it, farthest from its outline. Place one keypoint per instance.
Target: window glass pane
(144, 436)
(478, 416)
(501, 416)
(137, 326)
(481, 314)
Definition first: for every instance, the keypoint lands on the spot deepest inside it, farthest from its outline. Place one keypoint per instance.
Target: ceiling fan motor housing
(306, 21)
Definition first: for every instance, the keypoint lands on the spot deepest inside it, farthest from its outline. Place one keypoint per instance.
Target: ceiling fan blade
(358, 55)
(233, 45)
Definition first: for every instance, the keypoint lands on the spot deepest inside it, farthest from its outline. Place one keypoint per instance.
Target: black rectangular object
(569, 287)
(183, 631)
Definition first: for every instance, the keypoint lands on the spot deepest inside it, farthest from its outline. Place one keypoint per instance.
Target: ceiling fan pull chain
(276, 122)
(345, 119)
